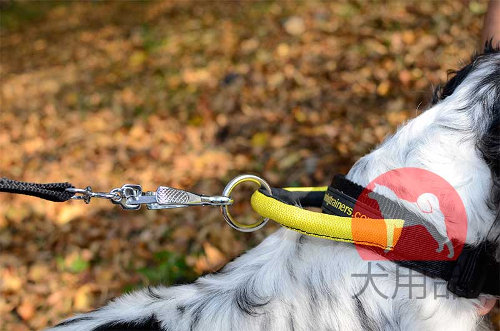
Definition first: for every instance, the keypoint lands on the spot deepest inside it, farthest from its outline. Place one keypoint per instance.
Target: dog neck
(428, 142)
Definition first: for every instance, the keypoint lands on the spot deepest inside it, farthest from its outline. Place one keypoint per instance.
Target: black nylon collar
(475, 271)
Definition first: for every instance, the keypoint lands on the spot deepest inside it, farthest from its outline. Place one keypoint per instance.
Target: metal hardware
(127, 193)
(132, 197)
(87, 194)
(227, 193)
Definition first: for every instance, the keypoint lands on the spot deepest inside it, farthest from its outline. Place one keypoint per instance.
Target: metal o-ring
(227, 193)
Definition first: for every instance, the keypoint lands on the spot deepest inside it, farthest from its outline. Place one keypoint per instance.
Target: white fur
(308, 284)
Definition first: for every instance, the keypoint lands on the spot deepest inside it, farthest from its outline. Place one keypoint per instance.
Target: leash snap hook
(169, 197)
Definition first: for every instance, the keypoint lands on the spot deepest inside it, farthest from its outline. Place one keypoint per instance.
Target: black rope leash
(51, 191)
(129, 196)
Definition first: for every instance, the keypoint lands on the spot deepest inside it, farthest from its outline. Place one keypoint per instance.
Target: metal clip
(126, 193)
(168, 197)
(86, 194)
(131, 197)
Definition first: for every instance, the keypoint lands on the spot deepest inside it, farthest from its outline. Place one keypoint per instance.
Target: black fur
(367, 323)
(248, 301)
(153, 295)
(289, 269)
(314, 301)
(457, 76)
(151, 324)
(181, 309)
(489, 142)
(74, 320)
(489, 145)
(197, 307)
(325, 290)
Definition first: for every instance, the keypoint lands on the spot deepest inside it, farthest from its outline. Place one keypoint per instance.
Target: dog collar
(347, 215)
(344, 208)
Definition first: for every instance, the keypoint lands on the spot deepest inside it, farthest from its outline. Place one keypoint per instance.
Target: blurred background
(190, 94)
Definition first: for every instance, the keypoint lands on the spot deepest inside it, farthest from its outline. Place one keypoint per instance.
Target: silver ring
(227, 193)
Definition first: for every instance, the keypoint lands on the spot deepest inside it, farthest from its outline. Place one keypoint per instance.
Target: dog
(296, 282)
(427, 203)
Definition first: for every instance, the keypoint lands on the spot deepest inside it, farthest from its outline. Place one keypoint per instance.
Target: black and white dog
(295, 282)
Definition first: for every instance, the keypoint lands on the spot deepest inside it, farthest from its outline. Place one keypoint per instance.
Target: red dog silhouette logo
(435, 220)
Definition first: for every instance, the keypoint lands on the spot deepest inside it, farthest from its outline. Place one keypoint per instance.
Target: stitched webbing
(383, 233)
(474, 272)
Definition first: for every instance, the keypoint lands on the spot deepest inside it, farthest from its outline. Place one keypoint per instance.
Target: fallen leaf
(295, 25)
(26, 310)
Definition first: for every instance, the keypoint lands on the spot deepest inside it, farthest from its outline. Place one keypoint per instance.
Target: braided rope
(50, 191)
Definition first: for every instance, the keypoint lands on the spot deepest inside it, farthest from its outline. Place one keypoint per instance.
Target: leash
(275, 204)
(346, 216)
(56, 192)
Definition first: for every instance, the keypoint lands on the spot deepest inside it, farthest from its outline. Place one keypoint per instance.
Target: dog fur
(294, 282)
